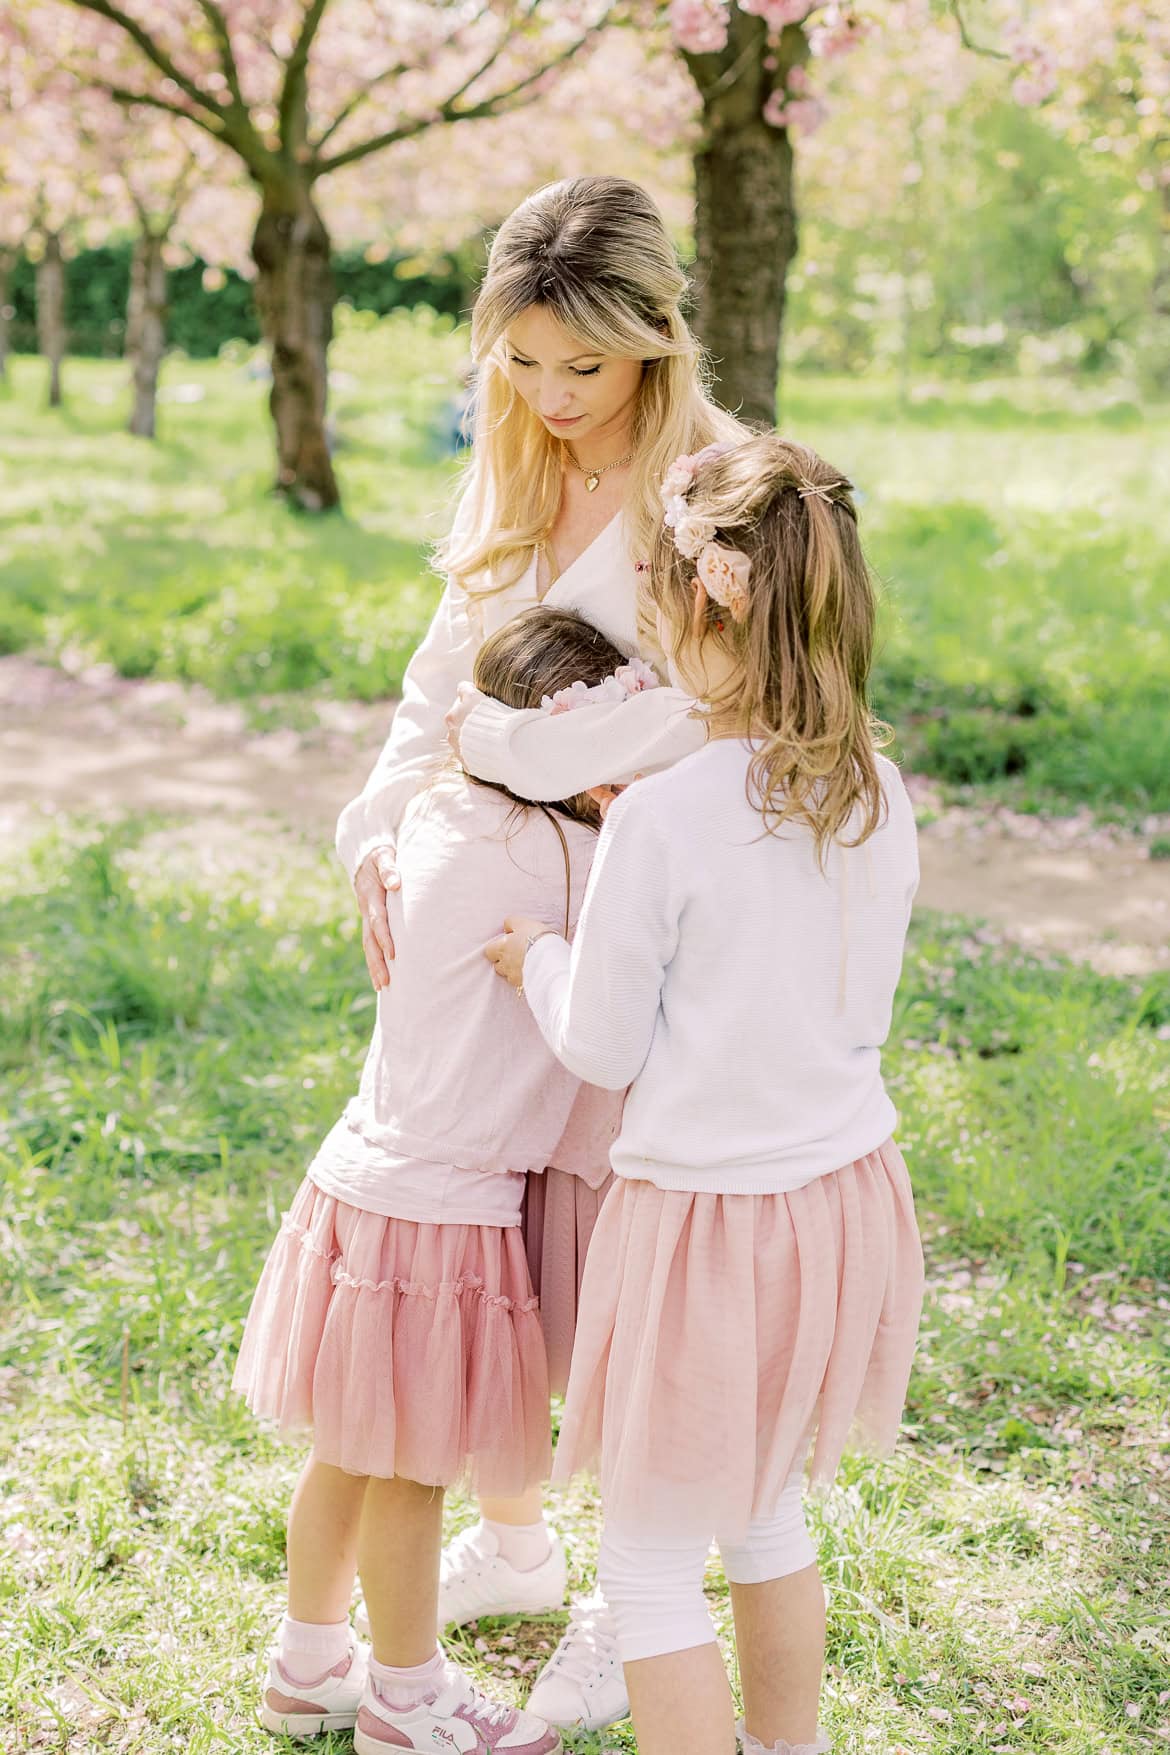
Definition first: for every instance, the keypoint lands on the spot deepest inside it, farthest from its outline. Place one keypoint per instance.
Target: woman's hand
(466, 700)
(506, 954)
(377, 873)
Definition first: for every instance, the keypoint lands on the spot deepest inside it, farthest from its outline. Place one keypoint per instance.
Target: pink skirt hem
(405, 1349)
(716, 1332)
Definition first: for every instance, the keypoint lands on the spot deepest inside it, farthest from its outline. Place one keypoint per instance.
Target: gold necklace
(593, 476)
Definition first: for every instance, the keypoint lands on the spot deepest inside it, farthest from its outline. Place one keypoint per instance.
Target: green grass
(185, 1009)
(1025, 643)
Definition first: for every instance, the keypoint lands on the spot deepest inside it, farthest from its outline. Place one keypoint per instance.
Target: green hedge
(200, 321)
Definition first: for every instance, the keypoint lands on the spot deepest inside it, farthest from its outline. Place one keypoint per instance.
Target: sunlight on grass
(1017, 529)
(178, 1038)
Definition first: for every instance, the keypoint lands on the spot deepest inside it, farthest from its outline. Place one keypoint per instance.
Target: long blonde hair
(805, 645)
(594, 253)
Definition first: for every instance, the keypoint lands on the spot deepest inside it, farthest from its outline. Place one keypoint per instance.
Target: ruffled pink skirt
(559, 1215)
(407, 1349)
(716, 1331)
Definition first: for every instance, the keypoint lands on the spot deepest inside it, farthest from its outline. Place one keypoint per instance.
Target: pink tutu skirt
(407, 1349)
(717, 1331)
(560, 1212)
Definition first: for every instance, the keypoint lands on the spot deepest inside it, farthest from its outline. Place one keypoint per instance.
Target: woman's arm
(542, 755)
(597, 1004)
(417, 744)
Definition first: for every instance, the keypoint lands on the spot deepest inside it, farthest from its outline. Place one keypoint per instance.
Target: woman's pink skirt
(407, 1349)
(560, 1212)
(716, 1331)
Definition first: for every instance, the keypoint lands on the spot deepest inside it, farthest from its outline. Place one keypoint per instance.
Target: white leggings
(655, 1593)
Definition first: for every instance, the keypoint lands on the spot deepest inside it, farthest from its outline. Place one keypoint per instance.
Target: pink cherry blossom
(700, 26)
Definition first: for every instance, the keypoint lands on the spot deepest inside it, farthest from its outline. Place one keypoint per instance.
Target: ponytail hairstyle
(595, 254)
(799, 621)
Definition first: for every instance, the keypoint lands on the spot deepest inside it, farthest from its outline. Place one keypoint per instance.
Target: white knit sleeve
(597, 1003)
(542, 755)
(417, 745)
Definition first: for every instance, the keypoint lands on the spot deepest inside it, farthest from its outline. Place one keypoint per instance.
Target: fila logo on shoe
(445, 1739)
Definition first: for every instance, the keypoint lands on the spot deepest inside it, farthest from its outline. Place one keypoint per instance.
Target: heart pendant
(591, 482)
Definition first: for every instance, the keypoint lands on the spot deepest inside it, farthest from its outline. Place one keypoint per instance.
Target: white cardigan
(534, 755)
(740, 990)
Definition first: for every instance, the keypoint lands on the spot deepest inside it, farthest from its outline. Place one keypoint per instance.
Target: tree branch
(392, 72)
(227, 59)
(106, 9)
(292, 93)
(492, 106)
(968, 40)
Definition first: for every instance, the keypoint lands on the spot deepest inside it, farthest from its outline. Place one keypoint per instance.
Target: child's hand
(603, 796)
(506, 954)
(467, 698)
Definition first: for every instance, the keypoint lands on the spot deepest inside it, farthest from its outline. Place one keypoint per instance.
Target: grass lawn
(1019, 535)
(184, 1011)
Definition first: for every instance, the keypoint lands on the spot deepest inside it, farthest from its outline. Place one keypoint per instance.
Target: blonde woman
(589, 385)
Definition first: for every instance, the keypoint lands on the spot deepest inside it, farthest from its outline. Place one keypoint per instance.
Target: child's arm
(597, 1004)
(540, 755)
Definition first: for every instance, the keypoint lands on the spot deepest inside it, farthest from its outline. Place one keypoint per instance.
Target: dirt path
(98, 742)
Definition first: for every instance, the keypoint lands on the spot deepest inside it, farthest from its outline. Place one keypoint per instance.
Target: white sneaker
(296, 1709)
(583, 1682)
(475, 1579)
(462, 1721)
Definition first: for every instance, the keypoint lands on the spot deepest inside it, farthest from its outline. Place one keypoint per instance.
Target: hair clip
(724, 574)
(818, 490)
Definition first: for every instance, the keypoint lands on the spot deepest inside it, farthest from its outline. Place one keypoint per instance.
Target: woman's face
(578, 394)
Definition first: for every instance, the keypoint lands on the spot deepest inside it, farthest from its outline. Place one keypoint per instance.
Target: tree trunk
(295, 296)
(51, 312)
(745, 213)
(146, 328)
(7, 264)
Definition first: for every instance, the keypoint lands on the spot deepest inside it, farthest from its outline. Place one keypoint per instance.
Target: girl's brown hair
(805, 644)
(534, 655)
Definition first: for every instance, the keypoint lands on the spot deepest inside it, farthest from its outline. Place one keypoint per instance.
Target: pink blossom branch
(294, 91)
(227, 59)
(394, 71)
(968, 40)
(106, 9)
(446, 112)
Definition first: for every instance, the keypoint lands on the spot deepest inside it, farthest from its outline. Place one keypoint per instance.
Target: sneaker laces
(477, 1705)
(588, 1638)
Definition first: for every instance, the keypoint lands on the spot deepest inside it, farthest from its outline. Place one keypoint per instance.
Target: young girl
(755, 1277)
(395, 1316)
(588, 383)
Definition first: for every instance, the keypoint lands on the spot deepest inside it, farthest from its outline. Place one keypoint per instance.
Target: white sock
(523, 1545)
(753, 1746)
(415, 1686)
(308, 1650)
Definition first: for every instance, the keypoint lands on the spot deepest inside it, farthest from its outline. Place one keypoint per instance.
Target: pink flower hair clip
(724, 574)
(690, 530)
(630, 679)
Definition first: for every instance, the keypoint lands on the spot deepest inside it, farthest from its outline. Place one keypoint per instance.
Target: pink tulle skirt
(717, 1331)
(560, 1212)
(407, 1349)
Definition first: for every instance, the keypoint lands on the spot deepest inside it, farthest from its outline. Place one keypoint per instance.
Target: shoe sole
(364, 1744)
(307, 1724)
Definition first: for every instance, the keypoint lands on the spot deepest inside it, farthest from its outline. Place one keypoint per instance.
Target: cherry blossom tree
(302, 90)
(1099, 71)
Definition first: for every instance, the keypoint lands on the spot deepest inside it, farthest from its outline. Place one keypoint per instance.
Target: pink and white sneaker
(296, 1709)
(461, 1721)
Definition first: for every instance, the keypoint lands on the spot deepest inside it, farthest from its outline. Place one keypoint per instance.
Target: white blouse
(535, 755)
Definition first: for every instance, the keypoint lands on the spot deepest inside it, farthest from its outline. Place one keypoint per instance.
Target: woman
(590, 384)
